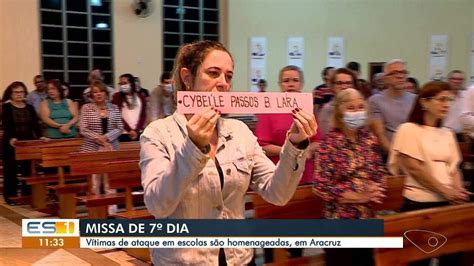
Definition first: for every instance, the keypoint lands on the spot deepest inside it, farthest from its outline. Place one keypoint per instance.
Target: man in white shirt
(467, 111)
(453, 119)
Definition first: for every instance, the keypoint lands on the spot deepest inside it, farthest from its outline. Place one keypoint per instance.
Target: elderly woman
(200, 166)
(101, 126)
(19, 122)
(429, 155)
(58, 113)
(349, 171)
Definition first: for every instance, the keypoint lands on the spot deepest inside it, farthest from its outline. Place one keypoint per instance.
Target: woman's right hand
(102, 140)
(456, 195)
(201, 126)
(12, 142)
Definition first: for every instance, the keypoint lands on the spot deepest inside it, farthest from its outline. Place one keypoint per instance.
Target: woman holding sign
(200, 166)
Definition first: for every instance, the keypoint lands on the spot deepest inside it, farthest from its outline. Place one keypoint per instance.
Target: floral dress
(343, 165)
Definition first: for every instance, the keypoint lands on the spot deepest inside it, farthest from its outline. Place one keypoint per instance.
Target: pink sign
(190, 102)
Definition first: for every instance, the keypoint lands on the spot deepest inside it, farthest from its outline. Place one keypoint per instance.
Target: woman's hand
(375, 192)
(102, 140)
(457, 195)
(12, 142)
(304, 126)
(65, 129)
(201, 126)
(132, 134)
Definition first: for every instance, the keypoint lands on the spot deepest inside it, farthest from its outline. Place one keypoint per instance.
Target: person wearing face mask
(200, 166)
(349, 171)
(132, 106)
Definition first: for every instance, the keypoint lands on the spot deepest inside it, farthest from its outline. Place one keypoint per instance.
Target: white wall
(374, 31)
(19, 42)
(138, 43)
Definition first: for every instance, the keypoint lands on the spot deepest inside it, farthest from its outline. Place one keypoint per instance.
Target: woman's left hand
(304, 126)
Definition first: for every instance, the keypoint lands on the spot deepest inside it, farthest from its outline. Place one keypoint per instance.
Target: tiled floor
(11, 252)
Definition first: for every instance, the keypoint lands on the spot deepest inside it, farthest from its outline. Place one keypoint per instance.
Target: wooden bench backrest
(86, 163)
(132, 145)
(57, 156)
(125, 179)
(456, 223)
(394, 192)
(303, 205)
(31, 149)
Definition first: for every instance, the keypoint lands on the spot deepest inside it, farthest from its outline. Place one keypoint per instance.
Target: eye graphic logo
(425, 240)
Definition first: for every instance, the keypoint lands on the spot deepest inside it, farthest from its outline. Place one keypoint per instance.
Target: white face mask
(354, 120)
(168, 88)
(125, 88)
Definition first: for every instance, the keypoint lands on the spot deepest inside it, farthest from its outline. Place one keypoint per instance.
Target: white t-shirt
(132, 115)
(436, 147)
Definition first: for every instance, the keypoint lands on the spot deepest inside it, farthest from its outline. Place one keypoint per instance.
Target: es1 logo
(50, 227)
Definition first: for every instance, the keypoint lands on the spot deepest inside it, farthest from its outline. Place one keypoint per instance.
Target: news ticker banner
(166, 233)
(190, 102)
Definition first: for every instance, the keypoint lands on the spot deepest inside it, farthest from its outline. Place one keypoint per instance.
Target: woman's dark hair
(164, 76)
(414, 81)
(428, 91)
(133, 87)
(345, 71)
(7, 95)
(58, 86)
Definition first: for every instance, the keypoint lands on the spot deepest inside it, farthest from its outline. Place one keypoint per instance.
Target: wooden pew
(31, 150)
(58, 158)
(456, 223)
(394, 199)
(305, 204)
(123, 172)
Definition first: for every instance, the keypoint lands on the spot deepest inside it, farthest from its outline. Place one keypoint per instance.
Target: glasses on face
(398, 72)
(340, 83)
(286, 80)
(444, 99)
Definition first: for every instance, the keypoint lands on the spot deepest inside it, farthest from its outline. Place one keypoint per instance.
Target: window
(76, 37)
(185, 21)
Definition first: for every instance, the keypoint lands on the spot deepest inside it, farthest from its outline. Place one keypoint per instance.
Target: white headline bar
(242, 242)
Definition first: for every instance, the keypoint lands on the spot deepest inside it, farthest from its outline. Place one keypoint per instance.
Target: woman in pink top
(271, 128)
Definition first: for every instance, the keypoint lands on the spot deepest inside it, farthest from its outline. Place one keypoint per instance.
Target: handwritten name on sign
(190, 102)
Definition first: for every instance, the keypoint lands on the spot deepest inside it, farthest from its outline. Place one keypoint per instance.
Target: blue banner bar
(264, 227)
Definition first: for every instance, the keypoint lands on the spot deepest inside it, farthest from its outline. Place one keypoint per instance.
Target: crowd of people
(200, 166)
